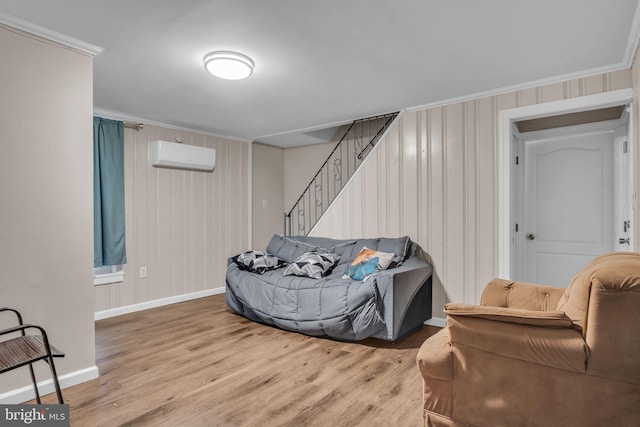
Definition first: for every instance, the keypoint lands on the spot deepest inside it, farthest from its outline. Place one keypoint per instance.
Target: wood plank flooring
(198, 364)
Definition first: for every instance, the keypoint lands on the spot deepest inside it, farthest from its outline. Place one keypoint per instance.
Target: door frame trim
(505, 125)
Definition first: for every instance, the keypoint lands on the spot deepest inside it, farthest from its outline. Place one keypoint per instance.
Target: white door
(568, 212)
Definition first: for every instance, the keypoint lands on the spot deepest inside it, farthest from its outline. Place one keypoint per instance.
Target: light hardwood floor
(197, 364)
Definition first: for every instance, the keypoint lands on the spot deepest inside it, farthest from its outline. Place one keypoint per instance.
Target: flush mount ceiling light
(228, 65)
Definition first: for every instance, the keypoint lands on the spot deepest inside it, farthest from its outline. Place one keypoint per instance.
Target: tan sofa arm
(558, 347)
(435, 362)
(549, 319)
(434, 357)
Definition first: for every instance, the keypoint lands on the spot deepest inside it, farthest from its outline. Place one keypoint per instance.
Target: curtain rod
(136, 126)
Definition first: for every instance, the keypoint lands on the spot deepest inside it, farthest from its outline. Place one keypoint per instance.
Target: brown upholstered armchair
(533, 355)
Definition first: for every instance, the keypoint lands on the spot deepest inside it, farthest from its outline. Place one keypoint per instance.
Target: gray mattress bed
(385, 305)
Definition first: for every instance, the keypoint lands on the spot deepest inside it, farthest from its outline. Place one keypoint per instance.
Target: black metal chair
(27, 349)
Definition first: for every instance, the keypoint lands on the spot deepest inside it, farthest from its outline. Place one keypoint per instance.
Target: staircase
(354, 146)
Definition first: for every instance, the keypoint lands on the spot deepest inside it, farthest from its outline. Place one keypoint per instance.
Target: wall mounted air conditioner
(163, 154)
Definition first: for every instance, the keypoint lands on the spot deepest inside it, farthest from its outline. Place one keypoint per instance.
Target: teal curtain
(108, 193)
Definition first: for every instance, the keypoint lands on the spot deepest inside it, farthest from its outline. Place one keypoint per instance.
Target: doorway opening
(565, 185)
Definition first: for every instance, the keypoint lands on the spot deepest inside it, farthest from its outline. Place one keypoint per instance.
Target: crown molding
(523, 86)
(114, 115)
(634, 38)
(47, 34)
(627, 62)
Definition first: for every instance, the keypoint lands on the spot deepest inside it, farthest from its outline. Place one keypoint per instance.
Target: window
(108, 274)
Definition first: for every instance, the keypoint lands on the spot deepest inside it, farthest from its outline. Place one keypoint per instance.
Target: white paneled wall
(267, 194)
(434, 177)
(181, 225)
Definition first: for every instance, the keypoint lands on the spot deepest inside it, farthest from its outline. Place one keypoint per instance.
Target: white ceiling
(326, 62)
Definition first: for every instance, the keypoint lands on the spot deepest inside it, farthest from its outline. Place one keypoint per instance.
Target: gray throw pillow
(312, 264)
(287, 249)
(258, 262)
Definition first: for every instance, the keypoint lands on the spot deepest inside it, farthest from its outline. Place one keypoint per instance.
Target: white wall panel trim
(26, 393)
(436, 321)
(113, 312)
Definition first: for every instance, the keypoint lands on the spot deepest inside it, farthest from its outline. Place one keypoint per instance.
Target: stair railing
(348, 154)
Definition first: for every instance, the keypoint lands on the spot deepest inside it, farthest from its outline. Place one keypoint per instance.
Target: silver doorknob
(624, 241)
(531, 236)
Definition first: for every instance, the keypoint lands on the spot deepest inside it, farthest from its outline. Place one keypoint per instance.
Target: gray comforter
(339, 308)
(335, 307)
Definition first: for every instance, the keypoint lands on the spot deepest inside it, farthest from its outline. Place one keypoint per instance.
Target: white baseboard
(26, 393)
(436, 321)
(104, 314)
